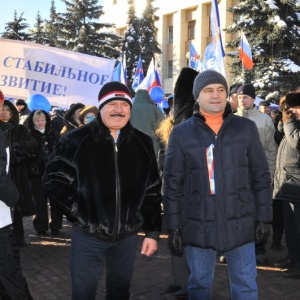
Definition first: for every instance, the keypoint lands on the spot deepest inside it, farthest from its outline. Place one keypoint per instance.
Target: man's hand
(262, 231)
(286, 114)
(149, 246)
(175, 242)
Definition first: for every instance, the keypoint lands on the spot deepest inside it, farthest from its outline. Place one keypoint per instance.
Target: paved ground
(45, 266)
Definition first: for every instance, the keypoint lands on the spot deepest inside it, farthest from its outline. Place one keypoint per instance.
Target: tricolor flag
(152, 78)
(219, 65)
(245, 53)
(139, 74)
(195, 62)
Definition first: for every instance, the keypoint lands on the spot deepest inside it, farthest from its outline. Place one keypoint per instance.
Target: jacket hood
(14, 120)
(48, 121)
(142, 96)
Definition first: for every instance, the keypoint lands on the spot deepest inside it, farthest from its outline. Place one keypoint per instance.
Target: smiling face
(212, 98)
(115, 115)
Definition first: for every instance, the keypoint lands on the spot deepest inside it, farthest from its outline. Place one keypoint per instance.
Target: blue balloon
(38, 101)
(164, 104)
(157, 94)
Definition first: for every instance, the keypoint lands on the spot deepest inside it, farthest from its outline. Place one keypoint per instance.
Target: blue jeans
(88, 255)
(241, 271)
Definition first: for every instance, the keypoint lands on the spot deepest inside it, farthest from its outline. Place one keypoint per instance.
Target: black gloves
(175, 242)
(262, 231)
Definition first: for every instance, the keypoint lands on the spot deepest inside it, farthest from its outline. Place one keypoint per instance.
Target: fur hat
(1, 97)
(293, 99)
(234, 88)
(21, 102)
(183, 100)
(208, 77)
(86, 110)
(247, 89)
(114, 90)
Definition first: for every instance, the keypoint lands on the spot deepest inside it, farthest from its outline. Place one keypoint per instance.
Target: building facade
(180, 22)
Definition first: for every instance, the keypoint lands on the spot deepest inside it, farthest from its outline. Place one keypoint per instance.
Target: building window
(170, 68)
(170, 34)
(191, 30)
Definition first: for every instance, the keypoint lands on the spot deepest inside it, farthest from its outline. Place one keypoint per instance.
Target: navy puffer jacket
(243, 194)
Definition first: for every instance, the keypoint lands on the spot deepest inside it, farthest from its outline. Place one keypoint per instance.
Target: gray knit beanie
(205, 78)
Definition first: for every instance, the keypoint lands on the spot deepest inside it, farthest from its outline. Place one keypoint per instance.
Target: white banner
(63, 77)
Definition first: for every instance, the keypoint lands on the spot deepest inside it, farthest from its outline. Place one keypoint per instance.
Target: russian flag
(139, 74)
(245, 53)
(152, 78)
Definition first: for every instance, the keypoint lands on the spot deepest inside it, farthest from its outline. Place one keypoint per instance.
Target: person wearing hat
(264, 107)
(71, 118)
(23, 110)
(266, 129)
(88, 114)
(104, 177)
(287, 183)
(217, 191)
(233, 100)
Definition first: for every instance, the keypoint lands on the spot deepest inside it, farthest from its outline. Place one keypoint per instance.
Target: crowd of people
(216, 172)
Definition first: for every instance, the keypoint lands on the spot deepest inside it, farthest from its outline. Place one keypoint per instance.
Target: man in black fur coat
(104, 177)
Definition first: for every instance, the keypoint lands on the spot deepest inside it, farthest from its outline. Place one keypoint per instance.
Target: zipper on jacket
(117, 210)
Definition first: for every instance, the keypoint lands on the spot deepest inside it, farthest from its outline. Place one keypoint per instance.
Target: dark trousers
(278, 223)
(88, 256)
(18, 226)
(41, 219)
(292, 230)
(180, 271)
(12, 283)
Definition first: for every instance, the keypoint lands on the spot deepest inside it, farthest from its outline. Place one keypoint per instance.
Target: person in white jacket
(12, 283)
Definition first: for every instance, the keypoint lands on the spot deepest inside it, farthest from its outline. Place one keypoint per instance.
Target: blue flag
(139, 74)
(217, 47)
(195, 62)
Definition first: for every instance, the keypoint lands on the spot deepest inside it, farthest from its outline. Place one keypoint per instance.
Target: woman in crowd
(39, 124)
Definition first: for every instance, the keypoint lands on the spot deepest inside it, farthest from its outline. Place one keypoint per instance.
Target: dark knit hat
(205, 78)
(183, 100)
(247, 89)
(234, 88)
(293, 99)
(114, 90)
(1, 97)
(264, 103)
(20, 102)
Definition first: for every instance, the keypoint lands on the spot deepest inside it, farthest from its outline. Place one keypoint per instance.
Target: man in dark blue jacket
(217, 191)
